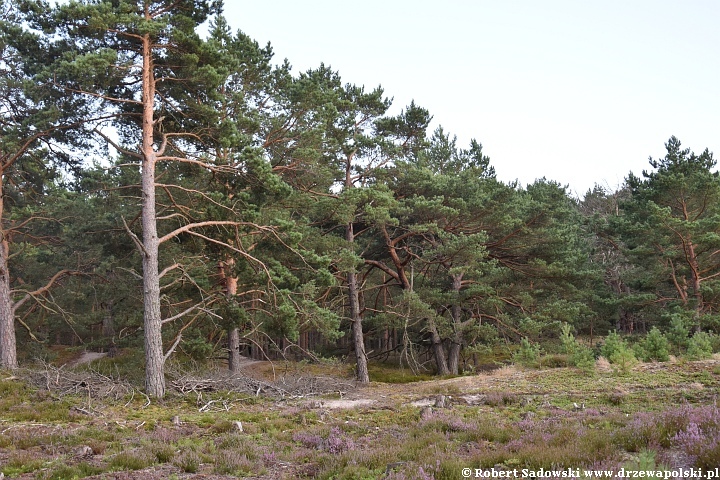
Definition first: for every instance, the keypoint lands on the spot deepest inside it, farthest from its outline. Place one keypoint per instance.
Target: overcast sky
(578, 92)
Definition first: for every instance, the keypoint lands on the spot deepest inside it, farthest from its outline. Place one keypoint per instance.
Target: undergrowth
(553, 418)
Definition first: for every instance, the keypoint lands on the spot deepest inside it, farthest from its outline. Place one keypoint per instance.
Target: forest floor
(275, 421)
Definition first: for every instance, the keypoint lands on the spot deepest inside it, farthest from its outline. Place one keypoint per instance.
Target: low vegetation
(659, 415)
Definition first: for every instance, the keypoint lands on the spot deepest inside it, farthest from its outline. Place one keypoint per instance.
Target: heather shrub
(617, 397)
(710, 456)
(699, 438)
(308, 440)
(691, 440)
(338, 442)
(163, 453)
(548, 445)
(647, 430)
(230, 462)
(409, 472)
(132, 460)
(639, 433)
(188, 461)
(498, 398)
(445, 422)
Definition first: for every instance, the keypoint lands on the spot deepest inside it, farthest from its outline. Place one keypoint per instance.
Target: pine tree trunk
(234, 350)
(454, 357)
(697, 290)
(231, 283)
(154, 357)
(8, 348)
(456, 340)
(355, 318)
(438, 350)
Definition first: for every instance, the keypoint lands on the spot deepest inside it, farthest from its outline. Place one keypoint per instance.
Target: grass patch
(131, 460)
(22, 462)
(65, 472)
(392, 374)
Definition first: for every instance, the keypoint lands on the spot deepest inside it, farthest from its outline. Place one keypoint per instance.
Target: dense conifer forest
(194, 197)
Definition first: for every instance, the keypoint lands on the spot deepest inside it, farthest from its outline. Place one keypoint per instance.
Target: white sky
(576, 91)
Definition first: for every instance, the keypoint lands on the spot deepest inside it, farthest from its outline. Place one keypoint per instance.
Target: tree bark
(438, 349)
(154, 357)
(8, 347)
(407, 285)
(231, 283)
(363, 375)
(456, 340)
(697, 291)
(234, 350)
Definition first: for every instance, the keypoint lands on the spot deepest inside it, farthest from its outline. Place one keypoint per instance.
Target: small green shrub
(645, 461)
(583, 358)
(528, 354)
(655, 347)
(678, 334)
(623, 360)
(700, 346)
(613, 344)
(620, 356)
(568, 344)
(715, 341)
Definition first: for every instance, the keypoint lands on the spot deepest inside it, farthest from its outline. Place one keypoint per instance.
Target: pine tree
(147, 68)
(37, 120)
(671, 228)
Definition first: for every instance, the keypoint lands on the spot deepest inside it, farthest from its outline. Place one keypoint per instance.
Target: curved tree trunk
(438, 349)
